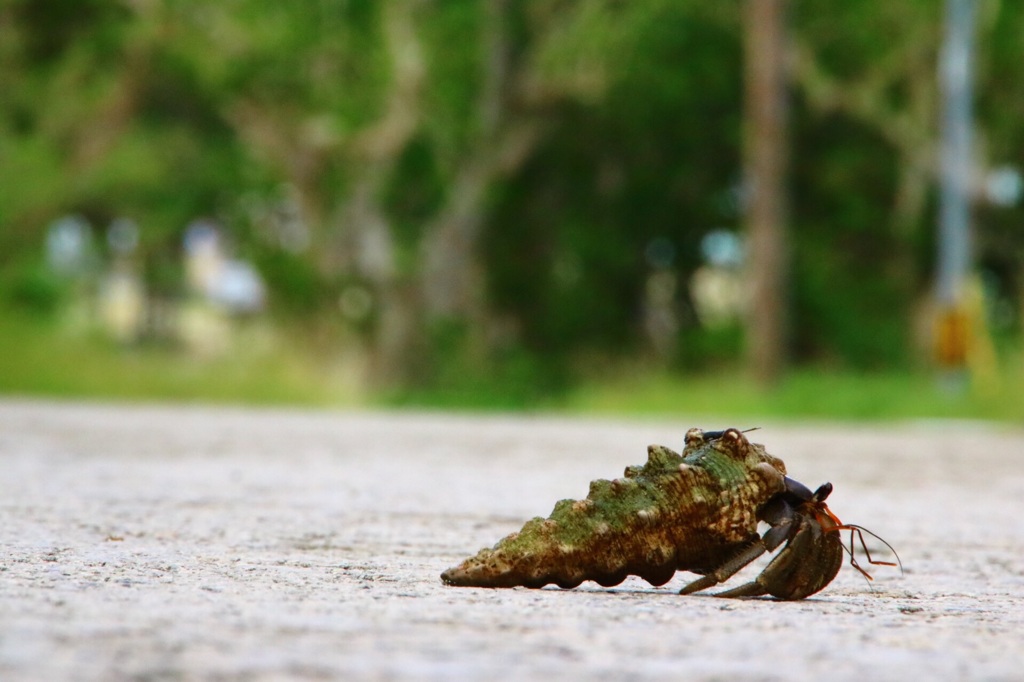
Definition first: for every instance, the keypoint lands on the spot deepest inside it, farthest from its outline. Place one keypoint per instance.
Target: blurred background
(760, 208)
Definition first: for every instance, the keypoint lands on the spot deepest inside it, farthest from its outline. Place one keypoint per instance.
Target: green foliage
(54, 27)
(413, 195)
(853, 284)
(297, 289)
(463, 374)
(454, 75)
(566, 255)
(854, 38)
(710, 349)
(595, 128)
(36, 289)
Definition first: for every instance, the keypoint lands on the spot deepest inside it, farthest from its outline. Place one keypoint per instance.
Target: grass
(804, 393)
(53, 359)
(46, 358)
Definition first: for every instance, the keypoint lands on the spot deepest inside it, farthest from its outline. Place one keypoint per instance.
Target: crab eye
(822, 493)
(732, 435)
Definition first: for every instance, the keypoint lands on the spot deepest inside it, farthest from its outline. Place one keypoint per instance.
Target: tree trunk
(766, 161)
(452, 275)
(366, 240)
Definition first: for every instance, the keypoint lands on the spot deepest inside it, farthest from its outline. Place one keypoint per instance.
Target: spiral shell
(688, 511)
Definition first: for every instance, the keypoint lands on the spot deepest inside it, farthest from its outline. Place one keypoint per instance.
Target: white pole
(954, 258)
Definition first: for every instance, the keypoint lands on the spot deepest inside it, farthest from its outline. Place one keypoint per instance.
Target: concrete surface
(179, 543)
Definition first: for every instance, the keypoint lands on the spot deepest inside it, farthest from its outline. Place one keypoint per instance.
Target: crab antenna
(853, 557)
(861, 530)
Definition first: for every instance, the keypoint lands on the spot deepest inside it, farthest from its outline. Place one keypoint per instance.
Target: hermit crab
(696, 511)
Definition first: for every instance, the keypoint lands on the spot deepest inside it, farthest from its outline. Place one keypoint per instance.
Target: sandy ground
(153, 543)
